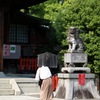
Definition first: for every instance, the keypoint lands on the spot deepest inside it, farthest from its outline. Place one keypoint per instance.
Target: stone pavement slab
(18, 98)
(31, 98)
(22, 98)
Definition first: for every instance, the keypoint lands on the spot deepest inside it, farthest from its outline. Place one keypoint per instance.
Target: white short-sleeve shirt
(43, 73)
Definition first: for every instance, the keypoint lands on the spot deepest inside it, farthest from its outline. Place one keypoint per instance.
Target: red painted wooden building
(21, 36)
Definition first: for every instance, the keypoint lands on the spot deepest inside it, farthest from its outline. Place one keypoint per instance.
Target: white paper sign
(12, 48)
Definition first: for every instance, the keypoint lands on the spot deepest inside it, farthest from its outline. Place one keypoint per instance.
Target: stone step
(28, 85)
(5, 86)
(4, 81)
(30, 90)
(6, 92)
(32, 94)
(20, 75)
(27, 80)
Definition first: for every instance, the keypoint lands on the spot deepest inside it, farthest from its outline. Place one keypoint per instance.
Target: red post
(30, 64)
(24, 64)
(53, 83)
(56, 80)
(27, 60)
(20, 64)
(35, 63)
(81, 79)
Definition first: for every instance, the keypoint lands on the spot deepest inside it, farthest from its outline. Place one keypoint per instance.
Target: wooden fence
(28, 64)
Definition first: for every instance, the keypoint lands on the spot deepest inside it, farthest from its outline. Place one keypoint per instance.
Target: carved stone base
(70, 59)
(69, 88)
(75, 69)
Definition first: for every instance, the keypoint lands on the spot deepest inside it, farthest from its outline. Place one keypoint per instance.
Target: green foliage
(84, 14)
(35, 11)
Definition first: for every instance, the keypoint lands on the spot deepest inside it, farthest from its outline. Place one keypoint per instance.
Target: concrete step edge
(7, 91)
(28, 85)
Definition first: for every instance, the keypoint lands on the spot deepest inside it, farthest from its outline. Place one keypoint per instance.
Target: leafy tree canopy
(84, 14)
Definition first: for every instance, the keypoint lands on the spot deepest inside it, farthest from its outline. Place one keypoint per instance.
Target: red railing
(28, 64)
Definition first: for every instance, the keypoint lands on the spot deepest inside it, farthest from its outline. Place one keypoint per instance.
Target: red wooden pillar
(1, 36)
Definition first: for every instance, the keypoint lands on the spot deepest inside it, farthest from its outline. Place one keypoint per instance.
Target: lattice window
(18, 33)
(12, 33)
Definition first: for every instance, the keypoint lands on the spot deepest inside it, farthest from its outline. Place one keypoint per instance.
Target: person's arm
(37, 77)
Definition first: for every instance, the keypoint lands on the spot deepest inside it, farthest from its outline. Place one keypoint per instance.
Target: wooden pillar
(1, 37)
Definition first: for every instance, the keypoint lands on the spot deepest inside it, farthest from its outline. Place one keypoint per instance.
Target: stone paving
(18, 98)
(31, 98)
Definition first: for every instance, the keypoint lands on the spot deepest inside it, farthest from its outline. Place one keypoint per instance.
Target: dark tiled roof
(19, 4)
(28, 18)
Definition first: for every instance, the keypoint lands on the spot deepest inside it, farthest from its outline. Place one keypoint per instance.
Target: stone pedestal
(75, 69)
(75, 57)
(70, 59)
(69, 88)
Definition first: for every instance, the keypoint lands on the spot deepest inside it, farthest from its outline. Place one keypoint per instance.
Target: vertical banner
(81, 79)
(6, 50)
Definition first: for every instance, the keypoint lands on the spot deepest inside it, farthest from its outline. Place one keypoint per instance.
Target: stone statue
(74, 41)
(75, 81)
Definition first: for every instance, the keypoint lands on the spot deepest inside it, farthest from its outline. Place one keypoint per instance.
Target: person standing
(46, 90)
